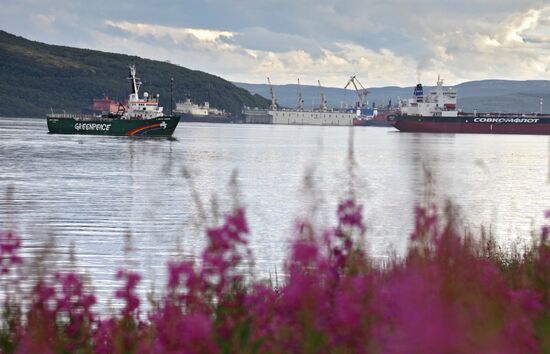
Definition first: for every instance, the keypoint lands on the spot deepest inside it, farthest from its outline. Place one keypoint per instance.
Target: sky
(382, 42)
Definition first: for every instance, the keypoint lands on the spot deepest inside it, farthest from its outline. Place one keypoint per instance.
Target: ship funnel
(419, 93)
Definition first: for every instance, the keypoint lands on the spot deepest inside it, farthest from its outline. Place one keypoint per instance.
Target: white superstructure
(188, 107)
(141, 108)
(441, 102)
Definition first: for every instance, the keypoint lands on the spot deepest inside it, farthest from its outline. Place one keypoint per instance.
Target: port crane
(362, 92)
(323, 98)
(300, 97)
(273, 98)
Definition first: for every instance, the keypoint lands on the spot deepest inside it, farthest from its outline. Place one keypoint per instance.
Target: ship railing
(77, 117)
(68, 115)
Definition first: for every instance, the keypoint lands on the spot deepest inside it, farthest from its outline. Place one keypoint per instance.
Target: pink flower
(127, 293)
(10, 243)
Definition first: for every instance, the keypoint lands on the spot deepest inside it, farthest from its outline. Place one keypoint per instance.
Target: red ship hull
(470, 124)
(380, 120)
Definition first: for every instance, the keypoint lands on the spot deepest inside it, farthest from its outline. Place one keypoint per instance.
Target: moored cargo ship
(438, 113)
(299, 115)
(142, 117)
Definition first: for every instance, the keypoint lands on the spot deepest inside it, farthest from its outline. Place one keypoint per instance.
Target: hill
(36, 78)
(486, 95)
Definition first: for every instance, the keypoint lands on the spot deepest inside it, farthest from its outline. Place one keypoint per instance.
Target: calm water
(108, 194)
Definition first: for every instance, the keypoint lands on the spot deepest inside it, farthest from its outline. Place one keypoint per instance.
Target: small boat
(142, 117)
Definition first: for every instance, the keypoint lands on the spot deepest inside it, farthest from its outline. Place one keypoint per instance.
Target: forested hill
(36, 78)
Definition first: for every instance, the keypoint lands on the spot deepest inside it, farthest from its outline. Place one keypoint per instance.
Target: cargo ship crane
(273, 98)
(323, 98)
(300, 97)
(361, 93)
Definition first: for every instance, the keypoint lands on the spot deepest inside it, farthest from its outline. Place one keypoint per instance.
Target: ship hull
(470, 124)
(293, 117)
(372, 123)
(380, 120)
(205, 119)
(65, 124)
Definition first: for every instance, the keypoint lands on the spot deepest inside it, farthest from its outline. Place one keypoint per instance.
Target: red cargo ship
(437, 113)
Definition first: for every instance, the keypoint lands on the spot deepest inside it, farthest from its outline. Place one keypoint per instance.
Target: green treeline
(36, 78)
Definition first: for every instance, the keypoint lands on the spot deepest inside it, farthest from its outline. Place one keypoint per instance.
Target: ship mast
(300, 98)
(323, 98)
(361, 93)
(171, 95)
(135, 82)
(273, 98)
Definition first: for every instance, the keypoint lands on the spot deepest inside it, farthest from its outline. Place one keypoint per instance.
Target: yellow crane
(362, 92)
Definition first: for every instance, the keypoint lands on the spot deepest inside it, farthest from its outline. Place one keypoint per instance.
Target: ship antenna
(133, 79)
(273, 98)
(323, 98)
(171, 94)
(300, 97)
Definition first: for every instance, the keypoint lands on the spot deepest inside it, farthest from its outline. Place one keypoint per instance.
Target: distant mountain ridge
(486, 95)
(36, 78)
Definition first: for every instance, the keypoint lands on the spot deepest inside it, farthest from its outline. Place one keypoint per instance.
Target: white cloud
(178, 35)
(384, 43)
(209, 50)
(501, 49)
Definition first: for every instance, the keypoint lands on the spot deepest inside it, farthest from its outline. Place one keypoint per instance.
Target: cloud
(384, 43)
(222, 51)
(514, 47)
(176, 34)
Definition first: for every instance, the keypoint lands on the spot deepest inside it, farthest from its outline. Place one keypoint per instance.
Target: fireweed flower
(179, 332)
(74, 301)
(445, 295)
(347, 234)
(10, 243)
(127, 293)
(60, 316)
(185, 286)
(425, 224)
(224, 251)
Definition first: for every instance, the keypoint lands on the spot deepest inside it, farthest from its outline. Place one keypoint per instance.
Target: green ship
(141, 117)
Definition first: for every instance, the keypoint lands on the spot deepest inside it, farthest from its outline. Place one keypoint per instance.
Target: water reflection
(102, 193)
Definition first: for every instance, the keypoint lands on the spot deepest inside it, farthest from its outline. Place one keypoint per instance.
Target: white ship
(441, 102)
(192, 112)
(188, 107)
(298, 116)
